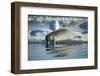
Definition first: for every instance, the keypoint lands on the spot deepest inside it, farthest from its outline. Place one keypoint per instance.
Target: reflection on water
(38, 51)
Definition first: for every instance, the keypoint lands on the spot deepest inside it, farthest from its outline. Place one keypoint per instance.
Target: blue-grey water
(38, 51)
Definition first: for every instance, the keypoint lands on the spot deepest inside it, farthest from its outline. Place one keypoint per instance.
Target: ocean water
(38, 51)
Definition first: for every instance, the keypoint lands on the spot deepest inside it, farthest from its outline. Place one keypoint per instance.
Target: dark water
(38, 51)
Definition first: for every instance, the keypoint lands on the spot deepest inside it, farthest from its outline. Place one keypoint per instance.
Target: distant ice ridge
(84, 37)
(38, 34)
